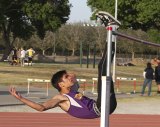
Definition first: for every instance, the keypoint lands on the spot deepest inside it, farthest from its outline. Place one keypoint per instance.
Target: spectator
(154, 62)
(19, 56)
(30, 53)
(157, 76)
(148, 77)
(22, 56)
(14, 56)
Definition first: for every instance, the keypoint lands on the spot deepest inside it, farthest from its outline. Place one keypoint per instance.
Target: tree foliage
(67, 39)
(70, 37)
(135, 14)
(47, 14)
(19, 18)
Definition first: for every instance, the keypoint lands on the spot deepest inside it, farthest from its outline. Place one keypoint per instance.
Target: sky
(79, 11)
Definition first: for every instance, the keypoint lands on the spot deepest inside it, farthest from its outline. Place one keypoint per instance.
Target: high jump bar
(134, 39)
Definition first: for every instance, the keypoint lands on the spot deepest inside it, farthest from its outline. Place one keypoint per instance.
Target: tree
(154, 35)
(101, 38)
(88, 37)
(22, 18)
(43, 44)
(141, 14)
(132, 47)
(136, 15)
(70, 36)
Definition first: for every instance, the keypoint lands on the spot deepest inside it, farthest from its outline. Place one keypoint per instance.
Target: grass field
(17, 75)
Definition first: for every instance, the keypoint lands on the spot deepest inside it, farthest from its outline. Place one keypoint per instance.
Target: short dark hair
(57, 78)
(149, 65)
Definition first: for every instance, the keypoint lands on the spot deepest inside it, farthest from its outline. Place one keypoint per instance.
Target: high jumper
(69, 99)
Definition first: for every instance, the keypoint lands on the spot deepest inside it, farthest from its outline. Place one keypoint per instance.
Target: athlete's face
(67, 80)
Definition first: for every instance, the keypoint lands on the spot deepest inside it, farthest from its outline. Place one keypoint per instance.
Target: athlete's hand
(14, 93)
(78, 96)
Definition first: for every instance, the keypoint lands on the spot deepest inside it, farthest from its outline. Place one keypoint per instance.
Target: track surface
(17, 119)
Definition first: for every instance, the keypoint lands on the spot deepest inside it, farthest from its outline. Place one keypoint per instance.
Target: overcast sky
(79, 11)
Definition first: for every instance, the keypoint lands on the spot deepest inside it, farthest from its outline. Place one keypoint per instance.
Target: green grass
(17, 75)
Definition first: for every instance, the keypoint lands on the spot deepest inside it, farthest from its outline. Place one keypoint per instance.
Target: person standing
(19, 56)
(148, 75)
(157, 77)
(22, 57)
(14, 56)
(30, 52)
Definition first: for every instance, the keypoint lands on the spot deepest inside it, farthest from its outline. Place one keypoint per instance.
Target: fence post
(117, 85)
(134, 86)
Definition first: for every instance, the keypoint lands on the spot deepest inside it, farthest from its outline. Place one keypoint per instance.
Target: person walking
(148, 77)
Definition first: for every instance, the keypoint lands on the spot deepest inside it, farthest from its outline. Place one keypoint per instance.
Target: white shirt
(23, 53)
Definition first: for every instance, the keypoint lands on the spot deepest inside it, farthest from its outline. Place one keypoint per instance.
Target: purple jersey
(82, 108)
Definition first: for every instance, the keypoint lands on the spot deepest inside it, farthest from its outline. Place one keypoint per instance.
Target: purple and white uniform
(82, 108)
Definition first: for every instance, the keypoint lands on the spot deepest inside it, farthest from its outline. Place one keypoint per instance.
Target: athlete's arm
(54, 102)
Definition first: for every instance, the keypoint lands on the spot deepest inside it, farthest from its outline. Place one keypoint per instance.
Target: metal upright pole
(81, 54)
(115, 44)
(94, 58)
(116, 8)
(88, 56)
(106, 82)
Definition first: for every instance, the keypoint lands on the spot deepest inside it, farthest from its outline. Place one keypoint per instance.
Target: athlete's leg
(102, 72)
(144, 86)
(31, 61)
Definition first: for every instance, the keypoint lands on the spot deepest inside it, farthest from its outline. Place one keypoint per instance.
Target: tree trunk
(8, 45)
(73, 51)
(43, 52)
(6, 53)
(133, 53)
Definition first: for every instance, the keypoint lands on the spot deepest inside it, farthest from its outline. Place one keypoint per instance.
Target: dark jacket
(157, 73)
(149, 73)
